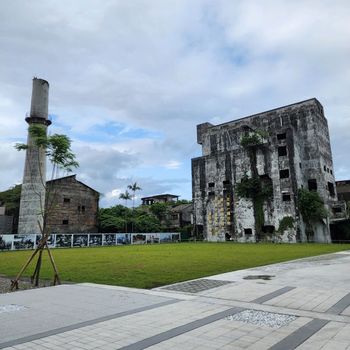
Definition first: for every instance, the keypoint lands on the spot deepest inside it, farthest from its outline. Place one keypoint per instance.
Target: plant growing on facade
(57, 149)
(312, 209)
(285, 223)
(255, 188)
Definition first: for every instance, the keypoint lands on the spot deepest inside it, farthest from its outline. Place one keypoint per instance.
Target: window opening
(331, 189)
(286, 197)
(281, 136)
(312, 184)
(284, 174)
(282, 151)
(248, 232)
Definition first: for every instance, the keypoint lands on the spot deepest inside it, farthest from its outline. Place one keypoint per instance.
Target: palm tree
(126, 196)
(134, 187)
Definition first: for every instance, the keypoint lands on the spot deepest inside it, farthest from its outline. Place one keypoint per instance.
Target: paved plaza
(302, 304)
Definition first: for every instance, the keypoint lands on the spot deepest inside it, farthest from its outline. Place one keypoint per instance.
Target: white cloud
(173, 164)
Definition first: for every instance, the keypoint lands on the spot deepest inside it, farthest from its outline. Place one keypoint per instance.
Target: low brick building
(72, 206)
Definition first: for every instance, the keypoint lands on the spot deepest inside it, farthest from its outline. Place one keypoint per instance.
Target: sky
(130, 80)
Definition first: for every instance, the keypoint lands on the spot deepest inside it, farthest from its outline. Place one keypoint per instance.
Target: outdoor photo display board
(21, 242)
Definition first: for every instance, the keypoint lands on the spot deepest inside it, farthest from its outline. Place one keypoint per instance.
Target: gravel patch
(262, 318)
(23, 284)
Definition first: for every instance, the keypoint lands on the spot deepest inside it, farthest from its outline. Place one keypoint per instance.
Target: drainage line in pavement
(158, 338)
(340, 306)
(272, 295)
(293, 340)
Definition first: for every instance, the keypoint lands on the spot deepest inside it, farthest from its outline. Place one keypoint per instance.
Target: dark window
(312, 184)
(211, 194)
(248, 232)
(226, 182)
(66, 200)
(331, 189)
(211, 184)
(327, 170)
(282, 151)
(79, 208)
(281, 136)
(300, 165)
(83, 208)
(324, 168)
(286, 197)
(284, 174)
(65, 222)
(268, 229)
(331, 171)
(336, 210)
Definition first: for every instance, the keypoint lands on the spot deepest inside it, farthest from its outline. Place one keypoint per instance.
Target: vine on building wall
(285, 223)
(312, 209)
(255, 188)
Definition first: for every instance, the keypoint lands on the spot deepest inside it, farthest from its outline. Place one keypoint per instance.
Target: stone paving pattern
(196, 286)
(171, 319)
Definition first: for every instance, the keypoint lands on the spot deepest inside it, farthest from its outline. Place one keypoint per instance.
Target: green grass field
(149, 266)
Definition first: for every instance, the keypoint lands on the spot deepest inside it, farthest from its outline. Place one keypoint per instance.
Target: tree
(134, 187)
(58, 151)
(125, 196)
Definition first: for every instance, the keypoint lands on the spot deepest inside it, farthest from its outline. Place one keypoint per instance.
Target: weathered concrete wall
(297, 142)
(33, 187)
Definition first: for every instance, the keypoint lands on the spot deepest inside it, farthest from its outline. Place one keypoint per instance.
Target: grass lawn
(149, 266)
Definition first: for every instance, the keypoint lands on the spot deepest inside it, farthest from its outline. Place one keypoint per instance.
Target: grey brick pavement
(315, 291)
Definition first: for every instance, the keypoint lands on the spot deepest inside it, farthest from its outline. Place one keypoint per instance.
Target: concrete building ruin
(294, 152)
(34, 178)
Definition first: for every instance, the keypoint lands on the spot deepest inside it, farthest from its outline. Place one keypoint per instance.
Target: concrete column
(34, 179)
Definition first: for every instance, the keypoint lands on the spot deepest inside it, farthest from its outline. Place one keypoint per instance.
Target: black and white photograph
(50, 240)
(6, 242)
(152, 238)
(24, 242)
(109, 239)
(95, 240)
(63, 241)
(138, 238)
(175, 237)
(80, 240)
